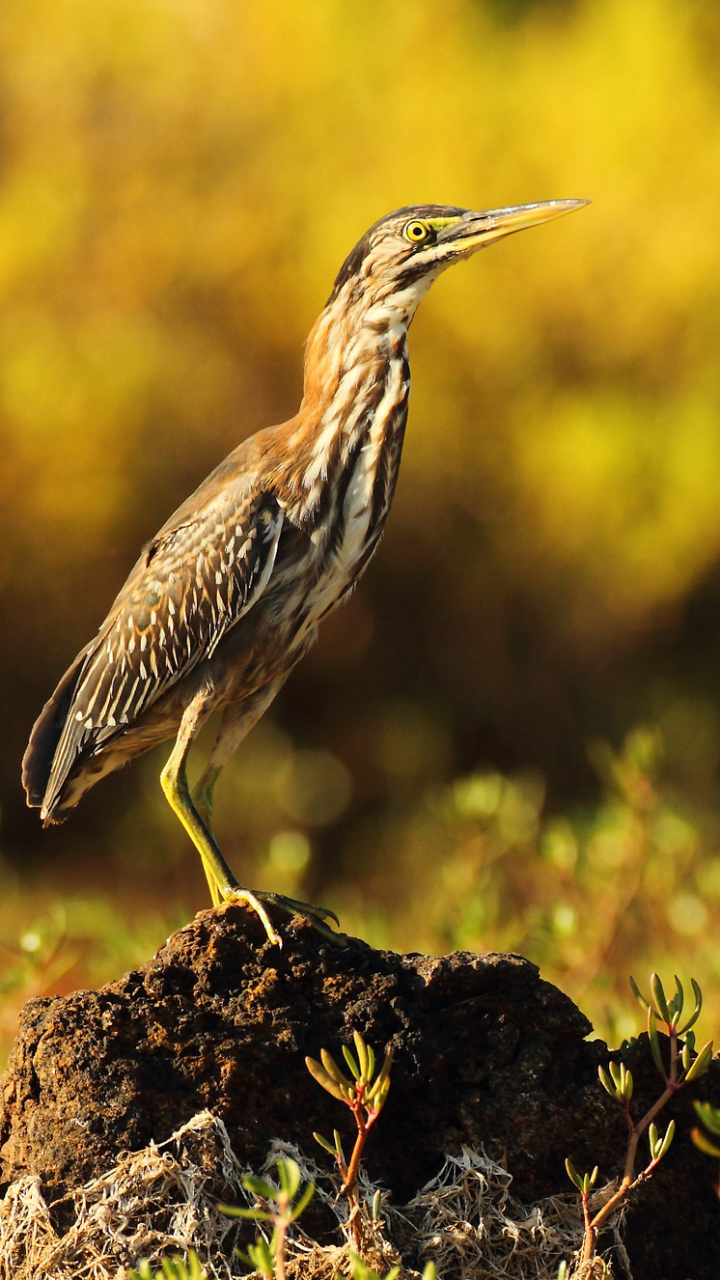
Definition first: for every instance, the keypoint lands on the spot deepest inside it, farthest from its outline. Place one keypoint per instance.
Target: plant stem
(281, 1229)
(629, 1181)
(349, 1174)
(352, 1169)
(590, 1231)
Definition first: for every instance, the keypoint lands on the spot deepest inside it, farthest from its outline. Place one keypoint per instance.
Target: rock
(486, 1054)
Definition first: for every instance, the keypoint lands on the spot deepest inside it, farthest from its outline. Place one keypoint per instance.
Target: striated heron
(228, 596)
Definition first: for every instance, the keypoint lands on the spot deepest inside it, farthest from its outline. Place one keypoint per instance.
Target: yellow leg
(202, 798)
(203, 795)
(173, 779)
(195, 813)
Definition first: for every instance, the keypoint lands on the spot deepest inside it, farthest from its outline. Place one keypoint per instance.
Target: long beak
(476, 230)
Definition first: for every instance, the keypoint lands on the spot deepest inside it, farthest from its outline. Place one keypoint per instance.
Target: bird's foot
(316, 915)
(236, 893)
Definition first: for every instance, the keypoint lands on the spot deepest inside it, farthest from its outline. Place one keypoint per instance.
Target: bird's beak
(475, 230)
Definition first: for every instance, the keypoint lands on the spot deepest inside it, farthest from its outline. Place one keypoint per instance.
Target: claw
(292, 907)
(237, 894)
(316, 915)
(295, 907)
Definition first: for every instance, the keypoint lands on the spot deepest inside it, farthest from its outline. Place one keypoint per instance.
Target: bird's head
(400, 256)
(381, 282)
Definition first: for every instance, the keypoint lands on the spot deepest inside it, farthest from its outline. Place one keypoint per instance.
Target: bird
(227, 598)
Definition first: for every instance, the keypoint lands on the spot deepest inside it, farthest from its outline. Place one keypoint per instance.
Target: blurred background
(510, 737)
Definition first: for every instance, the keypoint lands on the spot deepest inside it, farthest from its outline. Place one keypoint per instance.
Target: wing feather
(192, 584)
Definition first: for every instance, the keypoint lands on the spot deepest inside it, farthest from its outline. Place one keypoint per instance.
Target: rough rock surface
(486, 1054)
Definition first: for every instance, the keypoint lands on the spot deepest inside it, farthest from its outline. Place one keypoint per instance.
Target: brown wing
(190, 586)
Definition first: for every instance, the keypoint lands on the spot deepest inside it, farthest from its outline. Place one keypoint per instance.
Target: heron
(229, 595)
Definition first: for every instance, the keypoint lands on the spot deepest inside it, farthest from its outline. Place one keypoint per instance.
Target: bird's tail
(42, 782)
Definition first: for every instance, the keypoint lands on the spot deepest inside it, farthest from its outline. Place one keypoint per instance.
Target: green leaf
(371, 1063)
(704, 1144)
(430, 1271)
(658, 1146)
(675, 1006)
(353, 1065)
(638, 993)
(334, 1071)
(259, 1187)
(606, 1082)
(328, 1082)
(290, 1176)
(573, 1175)
(304, 1200)
(701, 1063)
(374, 1207)
(658, 997)
(698, 1006)
(259, 1257)
(324, 1143)
(254, 1215)
(709, 1115)
(381, 1086)
(669, 1135)
(687, 1050)
(621, 1087)
(361, 1271)
(362, 1057)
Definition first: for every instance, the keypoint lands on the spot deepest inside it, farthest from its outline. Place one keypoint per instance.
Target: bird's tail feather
(41, 782)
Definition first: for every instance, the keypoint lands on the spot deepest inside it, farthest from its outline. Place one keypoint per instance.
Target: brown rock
(486, 1054)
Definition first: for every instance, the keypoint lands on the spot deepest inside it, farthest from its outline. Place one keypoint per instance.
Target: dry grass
(157, 1203)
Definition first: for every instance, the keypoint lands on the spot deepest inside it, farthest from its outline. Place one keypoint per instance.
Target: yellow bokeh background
(179, 183)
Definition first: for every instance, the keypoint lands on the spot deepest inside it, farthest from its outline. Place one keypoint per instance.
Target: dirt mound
(488, 1058)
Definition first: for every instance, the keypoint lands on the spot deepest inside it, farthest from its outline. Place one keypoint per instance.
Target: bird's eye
(416, 232)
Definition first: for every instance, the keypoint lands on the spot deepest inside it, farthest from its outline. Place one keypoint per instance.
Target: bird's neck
(357, 382)
(352, 344)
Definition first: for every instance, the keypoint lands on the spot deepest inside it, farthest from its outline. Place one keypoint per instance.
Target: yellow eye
(416, 232)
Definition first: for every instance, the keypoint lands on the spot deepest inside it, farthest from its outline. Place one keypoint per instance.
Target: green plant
(682, 1068)
(361, 1271)
(268, 1256)
(710, 1117)
(171, 1269)
(366, 1098)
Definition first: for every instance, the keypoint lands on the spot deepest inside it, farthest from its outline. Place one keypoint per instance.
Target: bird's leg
(236, 723)
(203, 795)
(173, 779)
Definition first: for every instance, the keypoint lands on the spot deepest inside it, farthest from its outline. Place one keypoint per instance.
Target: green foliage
(361, 1271)
(669, 1012)
(589, 895)
(268, 1256)
(171, 1269)
(362, 1090)
(710, 1118)
(366, 1098)
(683, 1067)
(52, 945)
(584, 1182)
